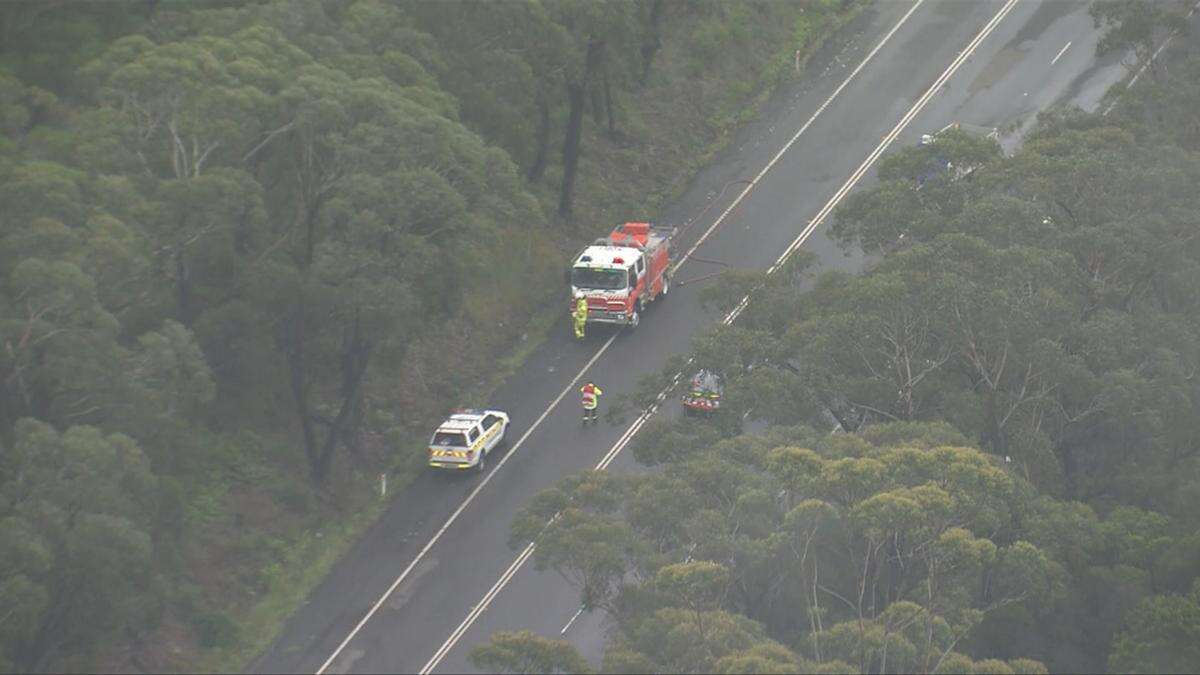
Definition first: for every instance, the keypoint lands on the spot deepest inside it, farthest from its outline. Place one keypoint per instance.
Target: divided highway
(434, 576)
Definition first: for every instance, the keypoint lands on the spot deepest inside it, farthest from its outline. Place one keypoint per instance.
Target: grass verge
(304, 564)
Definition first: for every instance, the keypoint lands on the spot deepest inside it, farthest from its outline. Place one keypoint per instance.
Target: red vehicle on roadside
(703, 395)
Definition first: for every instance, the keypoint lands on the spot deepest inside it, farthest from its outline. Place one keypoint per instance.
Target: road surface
(1031, 55)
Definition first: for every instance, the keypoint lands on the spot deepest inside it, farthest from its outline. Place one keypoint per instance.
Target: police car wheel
(482, 465)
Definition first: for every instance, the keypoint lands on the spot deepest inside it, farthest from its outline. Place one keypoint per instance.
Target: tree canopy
(796, 551)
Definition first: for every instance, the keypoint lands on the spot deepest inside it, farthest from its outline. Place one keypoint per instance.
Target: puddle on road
(404, 593)
(996, 69)
(1008, 57)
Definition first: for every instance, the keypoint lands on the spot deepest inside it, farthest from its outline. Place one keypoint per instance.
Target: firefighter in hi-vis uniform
(580, 317)
(591, 399)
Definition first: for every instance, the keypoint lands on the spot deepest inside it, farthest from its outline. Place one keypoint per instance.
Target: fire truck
(620, 274)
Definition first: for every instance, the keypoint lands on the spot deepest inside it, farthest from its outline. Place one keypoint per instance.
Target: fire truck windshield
(599, 279)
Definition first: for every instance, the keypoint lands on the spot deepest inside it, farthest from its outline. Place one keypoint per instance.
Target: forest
(249, 250)
(1011, 479)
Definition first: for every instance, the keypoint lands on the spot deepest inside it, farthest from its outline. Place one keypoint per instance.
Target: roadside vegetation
(249, 251)
(982, 454)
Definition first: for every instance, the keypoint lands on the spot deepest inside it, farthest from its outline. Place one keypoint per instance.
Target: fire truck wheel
(666, 284)
(634, 319)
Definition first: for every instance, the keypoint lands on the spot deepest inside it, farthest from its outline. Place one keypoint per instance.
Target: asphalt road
(1019, 69)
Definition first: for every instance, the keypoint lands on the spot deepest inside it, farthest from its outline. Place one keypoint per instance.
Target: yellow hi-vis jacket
(591, 396)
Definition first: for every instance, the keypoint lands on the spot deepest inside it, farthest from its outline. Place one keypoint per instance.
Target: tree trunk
(608, 103)
(352, 393)
(543, 139)
(297, 368)
(1070, 469)
(8, 411)
(577, 91)
(355, 361)
(596, 99)
(654, 43)
(354, 425)
(183, 286)
(241, 234)
(575, 97)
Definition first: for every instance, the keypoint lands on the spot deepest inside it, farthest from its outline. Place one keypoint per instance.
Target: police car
(466, 438)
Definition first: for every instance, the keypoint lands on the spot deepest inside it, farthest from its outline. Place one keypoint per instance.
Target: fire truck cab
(620, 274)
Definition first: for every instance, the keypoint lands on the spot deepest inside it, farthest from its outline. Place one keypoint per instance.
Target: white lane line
(685, 257)
(731, 316)
(804, 127)
(1147, 64)
(1060, 53)
(887, 141)
(478, 609)
(462, 507)
(571, 622)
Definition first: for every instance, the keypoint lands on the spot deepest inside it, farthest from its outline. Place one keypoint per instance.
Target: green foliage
(1161, 635)
(1016, 305)
(1133, 25)
(77, 558)
(527, 652)
(216, 629)
(875, 554)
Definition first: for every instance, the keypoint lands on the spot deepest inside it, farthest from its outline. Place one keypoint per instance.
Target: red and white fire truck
(622, 273)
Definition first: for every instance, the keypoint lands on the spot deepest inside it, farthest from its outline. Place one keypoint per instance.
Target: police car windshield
(598, 278)
(450, 439)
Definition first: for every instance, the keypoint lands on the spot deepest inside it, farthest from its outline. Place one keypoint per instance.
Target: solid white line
(1060, 53)
(478, 609)
(887, 141)
(794, 138)
(729, 318)
(470, 497)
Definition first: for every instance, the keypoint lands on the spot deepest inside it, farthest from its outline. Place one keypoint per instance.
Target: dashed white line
(1060, 53)
(571, 622)
(733, 314)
